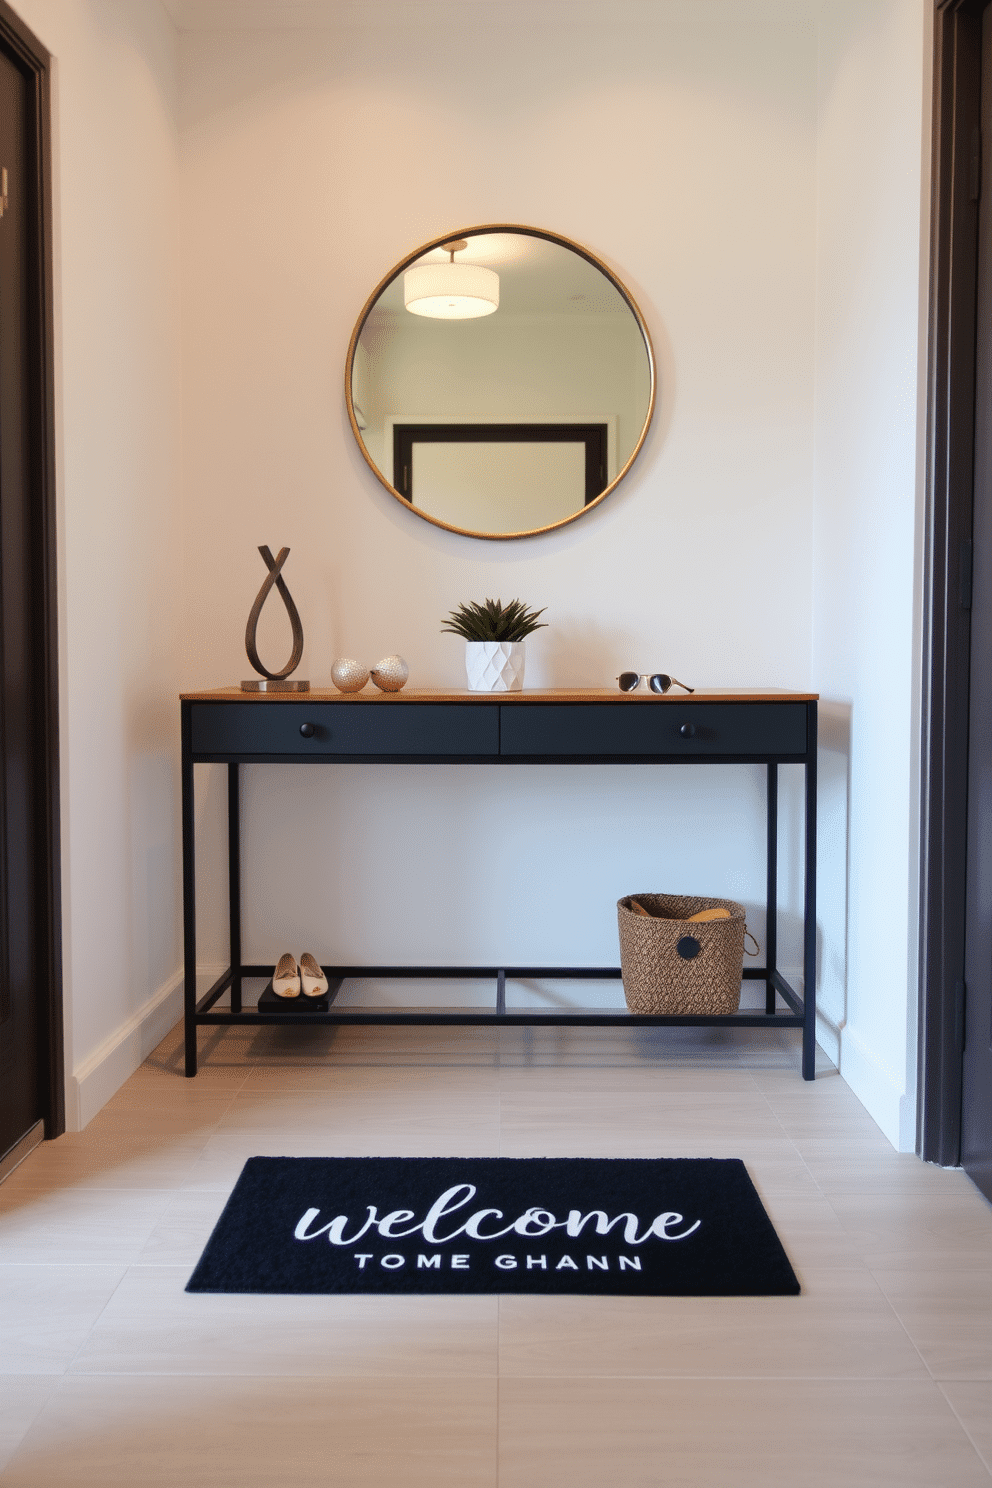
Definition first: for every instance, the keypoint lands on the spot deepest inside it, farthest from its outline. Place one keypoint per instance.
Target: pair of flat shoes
(289, 980)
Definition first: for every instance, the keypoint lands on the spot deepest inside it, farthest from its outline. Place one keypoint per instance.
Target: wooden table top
(370, 694)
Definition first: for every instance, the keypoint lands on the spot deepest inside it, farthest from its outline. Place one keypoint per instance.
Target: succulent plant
(493, 621)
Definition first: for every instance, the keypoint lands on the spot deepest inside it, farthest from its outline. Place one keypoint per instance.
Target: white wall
(873, 117)
(675, 140)
(116, 167)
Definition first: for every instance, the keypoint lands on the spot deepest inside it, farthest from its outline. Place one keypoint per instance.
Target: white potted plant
(494, 637)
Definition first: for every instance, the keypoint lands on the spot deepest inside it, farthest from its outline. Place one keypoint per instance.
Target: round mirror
(500, 381)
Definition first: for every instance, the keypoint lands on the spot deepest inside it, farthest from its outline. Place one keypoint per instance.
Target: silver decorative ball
(348, 675)
(390, 674)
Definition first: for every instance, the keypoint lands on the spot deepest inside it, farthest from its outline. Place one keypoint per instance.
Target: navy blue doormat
(625, 1227)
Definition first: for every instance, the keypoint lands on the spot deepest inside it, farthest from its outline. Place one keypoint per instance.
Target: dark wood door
(30, 1053)
(976, 1104)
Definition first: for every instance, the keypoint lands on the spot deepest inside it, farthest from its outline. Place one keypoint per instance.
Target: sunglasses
(658, 682)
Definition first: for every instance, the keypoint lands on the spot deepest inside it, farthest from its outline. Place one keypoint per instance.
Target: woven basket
(669, 966)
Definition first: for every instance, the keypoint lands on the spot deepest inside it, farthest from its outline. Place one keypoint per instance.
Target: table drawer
(344, 728)
(663, 728)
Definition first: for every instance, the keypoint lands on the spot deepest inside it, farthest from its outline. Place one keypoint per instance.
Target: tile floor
(880, 1373)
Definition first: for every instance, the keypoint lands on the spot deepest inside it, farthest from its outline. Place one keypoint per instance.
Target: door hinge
(959, 1001)
(967, 569)
(4, 199)
(975, 178)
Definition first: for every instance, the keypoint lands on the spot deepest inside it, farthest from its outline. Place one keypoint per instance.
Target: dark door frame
(35, 63)
(947, 571)
(592, 437)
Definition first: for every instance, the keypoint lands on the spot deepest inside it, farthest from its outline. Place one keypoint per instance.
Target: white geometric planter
(494, 666)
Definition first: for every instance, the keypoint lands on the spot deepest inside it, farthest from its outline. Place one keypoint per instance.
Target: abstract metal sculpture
(274, 681)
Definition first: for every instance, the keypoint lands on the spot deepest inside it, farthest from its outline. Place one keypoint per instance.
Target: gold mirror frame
(439, 242)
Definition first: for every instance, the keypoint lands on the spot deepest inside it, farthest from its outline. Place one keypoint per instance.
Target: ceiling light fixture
(451, 291)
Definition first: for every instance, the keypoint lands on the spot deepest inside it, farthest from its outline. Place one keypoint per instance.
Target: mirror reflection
(501, 382)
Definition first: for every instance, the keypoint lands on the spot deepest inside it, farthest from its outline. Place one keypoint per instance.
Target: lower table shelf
(271, 1009)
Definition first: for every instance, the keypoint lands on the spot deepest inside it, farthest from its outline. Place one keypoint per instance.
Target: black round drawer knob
(307, 730)
(688, 730)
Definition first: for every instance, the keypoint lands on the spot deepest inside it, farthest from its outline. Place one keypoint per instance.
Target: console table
(562, 727)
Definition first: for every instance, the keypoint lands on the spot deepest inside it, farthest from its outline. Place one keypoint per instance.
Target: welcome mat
(637, 1227)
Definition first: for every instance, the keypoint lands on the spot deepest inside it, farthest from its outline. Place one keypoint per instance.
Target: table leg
(234, 882)
(771, 912)
(809, 909)
(189, 895)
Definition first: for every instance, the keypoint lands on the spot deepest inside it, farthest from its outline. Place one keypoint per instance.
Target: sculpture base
(275, 684)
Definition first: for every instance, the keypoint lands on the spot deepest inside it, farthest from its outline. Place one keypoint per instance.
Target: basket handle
(749, 936)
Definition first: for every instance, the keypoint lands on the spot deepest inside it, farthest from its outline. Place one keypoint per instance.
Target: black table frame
(800, 1009)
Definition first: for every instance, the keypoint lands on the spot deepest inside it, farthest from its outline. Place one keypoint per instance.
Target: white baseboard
(884, 1101)
(828, 1038)
(103, 1073)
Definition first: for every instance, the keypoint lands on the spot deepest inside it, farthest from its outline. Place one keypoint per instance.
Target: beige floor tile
(219, 1165)
(811, 1233)
(552, 1079)
(948, 1315)
(912, 1230)
(47, 1311)
(221, 1057)
(80, 1227)
(21, 1401)
(394, 1077)
(224, 1053)
(780, 1052)
(774, 1164)
(685, 1047)
(257, 1047)
(150, 1089)
(731, 1434)
(166, 1070)
(782, 1081)
(373, 1111)
(452, 1042)
(212, 1079)
(834, 1121)
(153, 1326)
(273, 1433)
(222, 1159)
(194, 1120)
(183, 1229)
(832, 1097)
(610, 1123)
(842, 1326)
(80, 1160)
(774, 1167)
(871, 1167)
(375, 1051)
(972, 1404)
